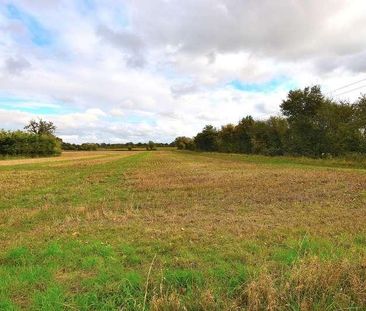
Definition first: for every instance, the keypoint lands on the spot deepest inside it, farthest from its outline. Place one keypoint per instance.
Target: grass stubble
(171, 230)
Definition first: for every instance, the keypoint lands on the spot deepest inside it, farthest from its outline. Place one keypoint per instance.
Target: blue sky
(264, 87)
(39, 35)
(36, 107)
(153, 70)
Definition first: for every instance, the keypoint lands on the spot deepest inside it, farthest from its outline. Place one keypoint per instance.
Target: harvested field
(216, 232)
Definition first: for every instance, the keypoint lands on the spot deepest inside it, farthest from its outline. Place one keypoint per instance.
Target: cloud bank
(117, 71)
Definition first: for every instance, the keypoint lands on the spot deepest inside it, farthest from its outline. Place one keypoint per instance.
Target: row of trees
(37, 140)
(311, 125)
(103, 146)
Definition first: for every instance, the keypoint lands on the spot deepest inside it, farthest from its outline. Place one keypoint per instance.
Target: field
(170, 230)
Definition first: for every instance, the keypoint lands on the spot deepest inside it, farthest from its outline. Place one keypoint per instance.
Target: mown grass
(216, 232)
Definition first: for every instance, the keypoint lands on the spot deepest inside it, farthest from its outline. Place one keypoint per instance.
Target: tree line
(311, 124)
(38, 139)
(118, 146)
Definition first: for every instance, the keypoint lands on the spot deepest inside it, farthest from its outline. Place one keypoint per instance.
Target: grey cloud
(183, 89)
(285, 29)
(356, 62)
(211, 58)
(16, 66)
(352, 62)
(128, 42)
(261, 108)
(207, 117)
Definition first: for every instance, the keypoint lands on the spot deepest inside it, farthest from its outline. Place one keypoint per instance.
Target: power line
(349, 91)
(347, 85)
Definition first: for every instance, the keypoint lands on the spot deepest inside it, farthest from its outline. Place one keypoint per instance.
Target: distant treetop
(41, 127)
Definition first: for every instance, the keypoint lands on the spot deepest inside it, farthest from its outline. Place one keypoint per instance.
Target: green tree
(360, 119)
(207, 140)
(312, 125)
(89, 147)
(269, 137)
(277, 135)
(243, 135)
(40, 127)
(305, 131)
(150, 145)
(339, 132)
(18, 143)
(129, 146)
(184, 143)
(227, 139)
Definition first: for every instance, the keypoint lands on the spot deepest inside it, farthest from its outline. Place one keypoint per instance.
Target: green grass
(217, 232)
(353, 162)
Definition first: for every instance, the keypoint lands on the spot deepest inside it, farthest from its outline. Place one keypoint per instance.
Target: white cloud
(140, 70)
(117, 112)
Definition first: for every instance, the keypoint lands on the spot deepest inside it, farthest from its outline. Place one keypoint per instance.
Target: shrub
(19, 143)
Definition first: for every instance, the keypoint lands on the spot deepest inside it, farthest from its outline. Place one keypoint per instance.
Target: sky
(139, 70)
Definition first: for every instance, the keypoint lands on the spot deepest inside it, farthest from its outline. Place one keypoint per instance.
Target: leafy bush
(151, 146)
(19, 143)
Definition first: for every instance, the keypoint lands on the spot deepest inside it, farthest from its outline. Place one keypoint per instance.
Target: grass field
(171, 230)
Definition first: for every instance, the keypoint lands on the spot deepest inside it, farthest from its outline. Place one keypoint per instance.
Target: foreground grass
(215, 231)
